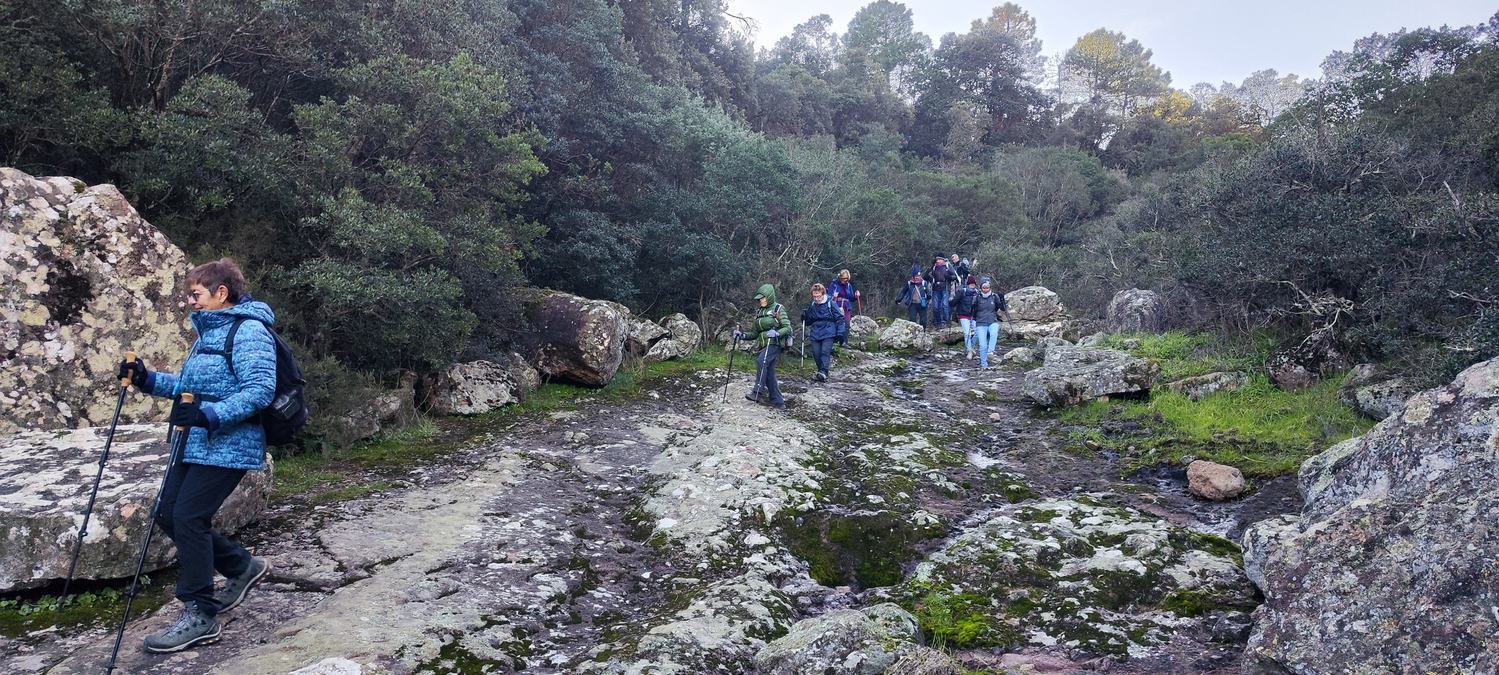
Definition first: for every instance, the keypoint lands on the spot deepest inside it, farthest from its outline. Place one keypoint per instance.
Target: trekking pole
(176, 442)
(99, 476)
(729, 369)
(804, 345)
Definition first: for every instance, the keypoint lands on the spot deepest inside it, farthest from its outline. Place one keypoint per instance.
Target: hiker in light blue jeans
(987, 308)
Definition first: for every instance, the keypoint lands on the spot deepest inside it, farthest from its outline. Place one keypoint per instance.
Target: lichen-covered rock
(1022, 356)
(472, 388)
(1137, 311)
(1259, 538)
(1035, 330)
(902, 335)
(862, 327)
(1214, 481)
(682, 338)
(1078, 575)
(1093, 340)
(574, 338)
(1035, 303)
(1047, 343)
(1303, 364)
(1391, 566)
(1382, 399)
(390, 408)
(842, 642)
(526, 379)
(1198, 387)
(83, 279)
(1073, 375)
(45, 479)
(640, 333)
(951, 335)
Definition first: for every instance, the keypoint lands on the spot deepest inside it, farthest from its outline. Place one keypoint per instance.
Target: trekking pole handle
(187, 397)
(129, 358)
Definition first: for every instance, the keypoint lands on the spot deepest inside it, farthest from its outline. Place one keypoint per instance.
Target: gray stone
(83, 278)
(522, 373)
(1199, 387)
(1390, 567)
(1382, 399)
(472, 388)
(1046, 343)
(45, 479)
(1023, 356)
(902, 335)
(842, 642)
(640, 333)
(392, 408)
(1137, 311)
(682, 339)
(1035, 330)
(862, 327)
(1213, 481)
(1258, 540)
(574, 338)
(951, 335)
(1035, 303)
(1093, 340)
(1073, 375)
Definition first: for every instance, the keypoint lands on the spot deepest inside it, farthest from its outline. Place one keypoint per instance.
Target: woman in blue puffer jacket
(225, 439)
(825, 322)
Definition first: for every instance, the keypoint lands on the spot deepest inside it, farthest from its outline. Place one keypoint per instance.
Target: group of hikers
(231, 396)
(949, 288)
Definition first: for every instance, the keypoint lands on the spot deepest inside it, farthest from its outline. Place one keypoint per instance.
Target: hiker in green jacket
(771, 329)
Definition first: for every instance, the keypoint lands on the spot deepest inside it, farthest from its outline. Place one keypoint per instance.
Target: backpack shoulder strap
(229, 345)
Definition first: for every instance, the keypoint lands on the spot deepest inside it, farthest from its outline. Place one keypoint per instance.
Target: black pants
(916, 314)
(193, 493)
(765, 373)
(822, 354)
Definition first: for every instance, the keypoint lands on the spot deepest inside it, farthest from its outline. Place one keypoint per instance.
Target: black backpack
(287, 413)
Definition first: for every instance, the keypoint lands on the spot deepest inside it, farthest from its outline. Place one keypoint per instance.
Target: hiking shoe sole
(256, 580)
(204, 639)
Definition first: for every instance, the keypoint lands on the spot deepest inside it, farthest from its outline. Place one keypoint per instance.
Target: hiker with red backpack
(236, 371)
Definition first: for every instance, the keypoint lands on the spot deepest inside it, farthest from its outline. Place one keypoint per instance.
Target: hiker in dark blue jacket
(825, 324)
(225, 439)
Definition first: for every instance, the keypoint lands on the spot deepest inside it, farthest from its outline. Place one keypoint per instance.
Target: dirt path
(673, 531)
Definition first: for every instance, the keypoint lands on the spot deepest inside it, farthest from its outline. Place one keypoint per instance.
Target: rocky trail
(678, 533)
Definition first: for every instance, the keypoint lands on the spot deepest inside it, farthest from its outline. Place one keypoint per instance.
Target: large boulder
(1081, 575)
(1382, 399)
(1035, 303)
(574, 338)
(1198, 387)
(45, 480)
(1390, 566)
(640, 334)
(862, 327)
(682, 339)
(951, 335)
(1137, 311)
(842, 642)
(1301, 365)
(472, 388)
(902, 335)
(1073, 375)
(83, 278)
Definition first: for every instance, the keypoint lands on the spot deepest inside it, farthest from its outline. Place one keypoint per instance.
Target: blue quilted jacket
(232, 440)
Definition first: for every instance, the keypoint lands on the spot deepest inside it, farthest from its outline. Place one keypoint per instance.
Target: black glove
(136, 371)
(188, 415)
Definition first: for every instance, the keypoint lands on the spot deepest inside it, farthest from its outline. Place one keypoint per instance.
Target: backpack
(287, 413)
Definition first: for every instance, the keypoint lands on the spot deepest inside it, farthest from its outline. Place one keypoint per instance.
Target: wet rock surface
(686, 534)
(45, 481)
(83, 279)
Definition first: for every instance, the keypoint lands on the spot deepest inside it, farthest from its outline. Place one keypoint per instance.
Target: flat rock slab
(45, 480)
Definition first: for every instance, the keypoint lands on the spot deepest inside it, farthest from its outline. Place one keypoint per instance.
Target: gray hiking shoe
(236, 589)
(193, 627)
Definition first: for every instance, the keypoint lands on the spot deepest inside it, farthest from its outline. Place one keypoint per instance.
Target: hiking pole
(804, 345)
(99, 476)
(729, 369)
(176, 442)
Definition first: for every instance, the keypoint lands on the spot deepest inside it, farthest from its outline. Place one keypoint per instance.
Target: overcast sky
(1198, 41)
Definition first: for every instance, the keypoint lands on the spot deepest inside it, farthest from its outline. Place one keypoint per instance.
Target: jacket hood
(249, 308)
(768, 292)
